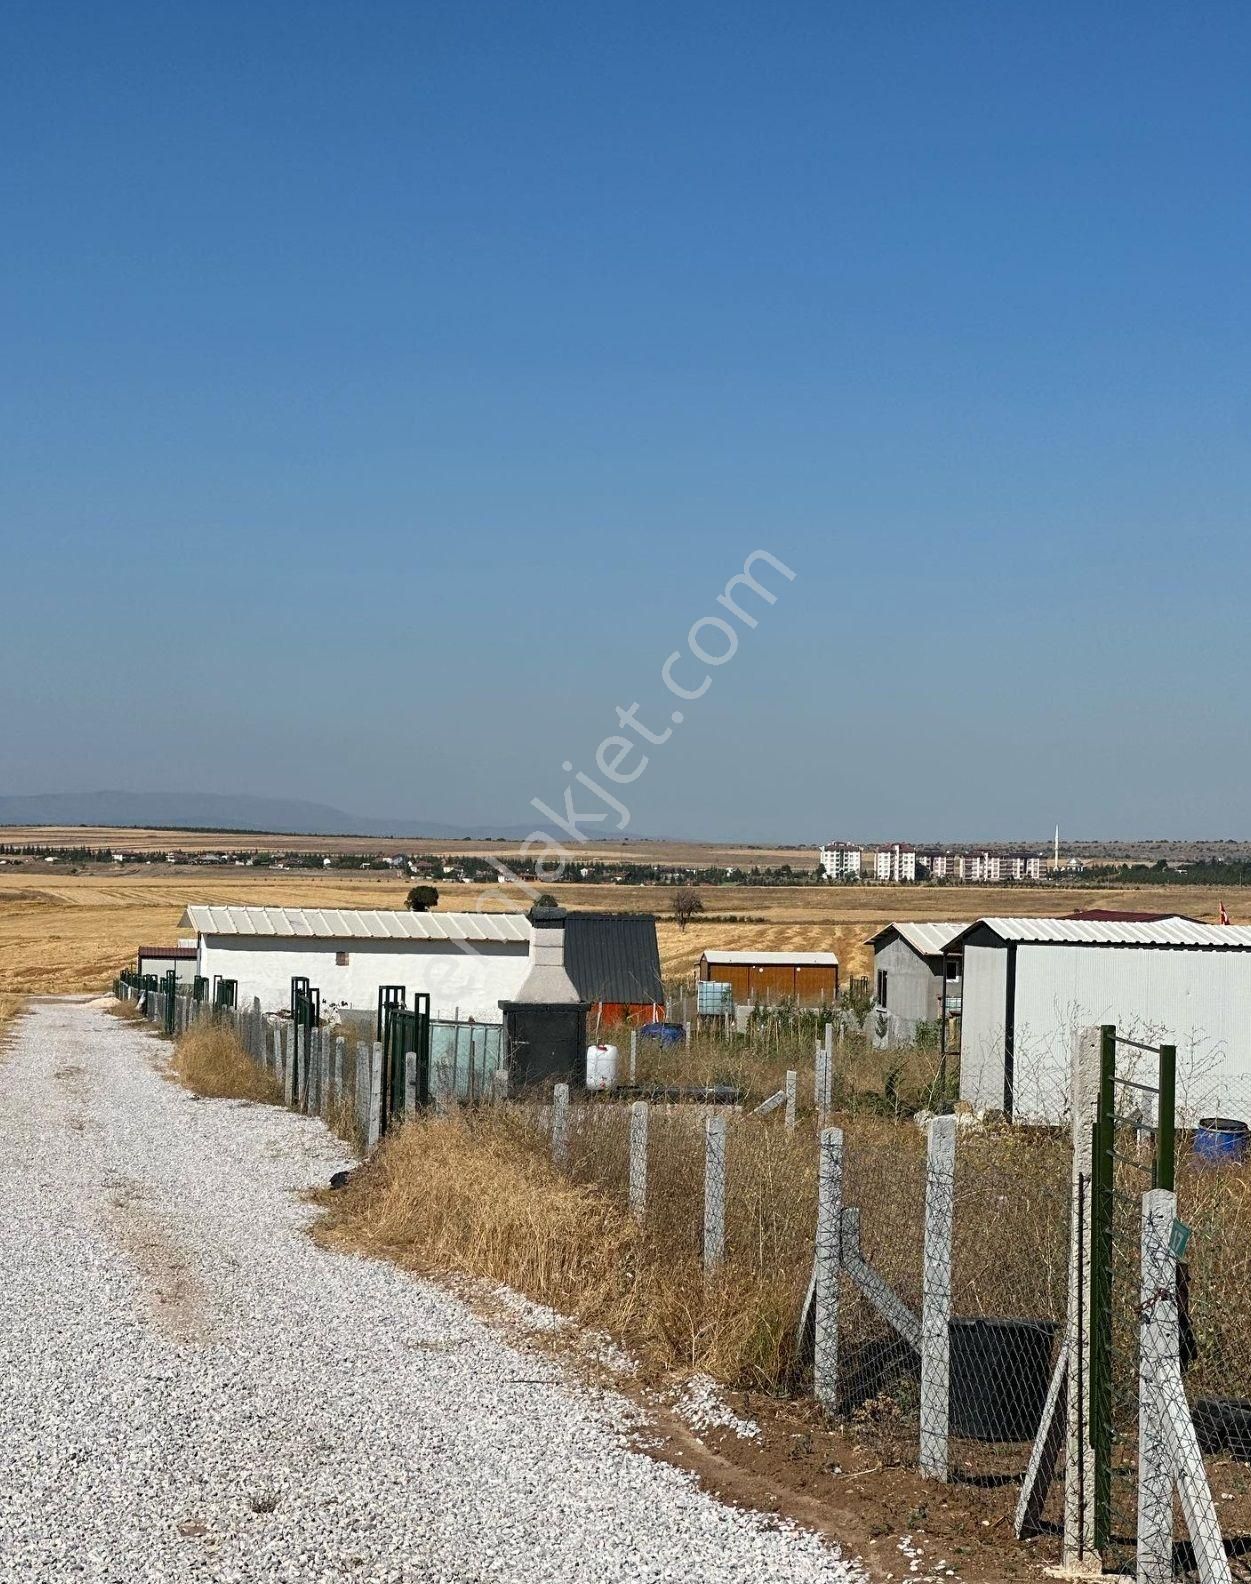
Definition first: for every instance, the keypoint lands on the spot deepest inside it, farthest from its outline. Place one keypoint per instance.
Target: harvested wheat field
(74, 932)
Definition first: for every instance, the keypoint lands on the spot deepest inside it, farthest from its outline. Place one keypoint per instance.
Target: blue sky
(386, 389)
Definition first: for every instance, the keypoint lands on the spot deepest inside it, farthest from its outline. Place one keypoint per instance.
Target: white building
(895, 865)
(839, 861)
(465, 961)
(1022, 866)
(1030, 985)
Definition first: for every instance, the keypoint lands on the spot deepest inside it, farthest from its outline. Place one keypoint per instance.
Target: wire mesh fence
(915, 1275)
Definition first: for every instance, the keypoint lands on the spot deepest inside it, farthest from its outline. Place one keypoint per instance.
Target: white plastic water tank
(601, 1066)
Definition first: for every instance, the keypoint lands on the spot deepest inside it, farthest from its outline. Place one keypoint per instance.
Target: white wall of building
(475, 982)
(1198, 1000)
(840, 863)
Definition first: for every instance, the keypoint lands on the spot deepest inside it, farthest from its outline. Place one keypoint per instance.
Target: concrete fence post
(340, 1069)
(1159, 1347)
(288, 1065)
(714, 1191)
(324, 1076)
(258, 1033)
(824, 1075)
(375, 1097)
(826, 1267)
(638, 1157)
(410, 1083)
(1079, 1503)
(560, 1125)
(301, 1067)
(312, 1066)
(634, 1055)
(362, 1091)
(940, 1202)
(792, 1089)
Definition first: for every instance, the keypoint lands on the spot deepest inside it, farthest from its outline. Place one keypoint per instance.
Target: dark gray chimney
(545, 1024)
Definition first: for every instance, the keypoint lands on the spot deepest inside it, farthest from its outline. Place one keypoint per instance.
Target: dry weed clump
(477, 1194)
(1216, 1204)
(890, 1083)
(212, 1063)
(10, 1006)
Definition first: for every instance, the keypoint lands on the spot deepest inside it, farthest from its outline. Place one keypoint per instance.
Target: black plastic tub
(1223, 1424)
(1000, 1370)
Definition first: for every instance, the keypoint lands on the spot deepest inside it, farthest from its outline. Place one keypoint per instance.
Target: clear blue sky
(386, 388)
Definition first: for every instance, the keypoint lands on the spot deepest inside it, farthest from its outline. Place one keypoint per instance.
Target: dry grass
(567, 1239)
(893, 1082)
(10, 1006)
(211, 1062)
(476, 1195)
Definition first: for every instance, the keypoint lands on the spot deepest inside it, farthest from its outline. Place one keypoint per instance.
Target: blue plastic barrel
(666, 1033)
(1222, 1141)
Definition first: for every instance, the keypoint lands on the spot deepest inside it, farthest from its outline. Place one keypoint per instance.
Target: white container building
(465, 961)
(1030, 984)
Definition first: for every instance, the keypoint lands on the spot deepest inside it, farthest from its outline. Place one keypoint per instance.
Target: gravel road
(193, 1390)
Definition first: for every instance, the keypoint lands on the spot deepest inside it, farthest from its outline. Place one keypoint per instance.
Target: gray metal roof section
(336, 924)
(614, 957)
(1118, 932)
(929, 938)
(774, 959)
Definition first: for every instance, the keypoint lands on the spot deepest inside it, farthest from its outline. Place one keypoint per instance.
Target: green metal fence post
(1166, 1120)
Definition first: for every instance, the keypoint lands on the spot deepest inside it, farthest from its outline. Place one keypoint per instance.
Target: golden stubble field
(62, 933)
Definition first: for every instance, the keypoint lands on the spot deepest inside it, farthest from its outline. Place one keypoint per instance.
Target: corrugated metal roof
(1111, 932)
(613, 957)
(928, 937)
(178, 953)
(335, 924)
(774, 959)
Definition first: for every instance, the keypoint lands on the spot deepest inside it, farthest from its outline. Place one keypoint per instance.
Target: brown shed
(807, 978)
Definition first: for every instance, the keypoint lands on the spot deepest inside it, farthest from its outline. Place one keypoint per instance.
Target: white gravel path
(191, 1389)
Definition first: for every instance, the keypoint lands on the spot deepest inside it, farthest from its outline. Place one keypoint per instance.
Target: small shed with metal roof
(467, 962)
(764, 977)
(1031, 985)
(160, 960)
(917, 979)
(614, 962)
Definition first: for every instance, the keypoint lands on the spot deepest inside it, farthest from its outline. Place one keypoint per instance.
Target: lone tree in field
(422, 898)
(545, 899)
(685, 906)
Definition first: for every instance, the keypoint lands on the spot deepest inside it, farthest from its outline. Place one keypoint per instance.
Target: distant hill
(224, 812)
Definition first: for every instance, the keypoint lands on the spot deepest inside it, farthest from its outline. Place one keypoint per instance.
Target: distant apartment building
(982, 868)
(895, 865)
(841, 861)
(899, 864)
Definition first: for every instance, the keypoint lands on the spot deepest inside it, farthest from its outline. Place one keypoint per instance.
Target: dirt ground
(62, 932)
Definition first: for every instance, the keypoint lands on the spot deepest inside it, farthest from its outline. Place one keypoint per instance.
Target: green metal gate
(169, 988)
(404, 1029)
(305, 1017)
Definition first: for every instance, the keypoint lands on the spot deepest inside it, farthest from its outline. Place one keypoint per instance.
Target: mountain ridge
(224, 811)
